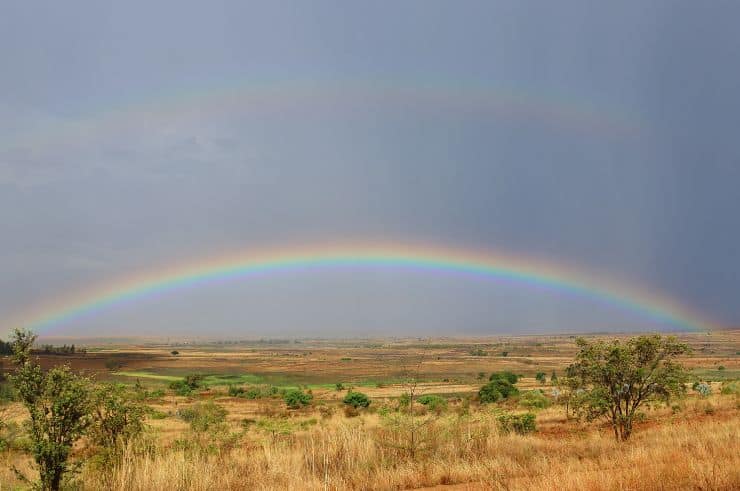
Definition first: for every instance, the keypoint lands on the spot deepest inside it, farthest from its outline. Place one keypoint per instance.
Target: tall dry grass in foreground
(696, 448)
(354, 454)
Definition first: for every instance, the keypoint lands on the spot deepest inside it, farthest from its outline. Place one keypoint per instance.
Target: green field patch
(237, 379)
(154, 376)
(716, 374)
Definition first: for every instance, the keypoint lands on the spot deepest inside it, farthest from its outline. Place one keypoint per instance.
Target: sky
(601, 135)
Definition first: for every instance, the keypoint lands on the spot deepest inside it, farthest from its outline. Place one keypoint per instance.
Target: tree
(541, 377)
(618, 378)
(59, 406)
(554, 378)
(117, 417)
(356, 399)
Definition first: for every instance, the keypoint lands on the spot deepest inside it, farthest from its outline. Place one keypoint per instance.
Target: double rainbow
(410, 257)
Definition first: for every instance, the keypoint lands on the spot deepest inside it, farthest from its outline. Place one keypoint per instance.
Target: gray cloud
(126, 144)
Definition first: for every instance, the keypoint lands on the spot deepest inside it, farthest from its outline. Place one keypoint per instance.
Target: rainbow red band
(496, 267)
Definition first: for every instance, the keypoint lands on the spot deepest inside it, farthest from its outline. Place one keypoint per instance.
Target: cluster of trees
(49, 349)
(63, 407)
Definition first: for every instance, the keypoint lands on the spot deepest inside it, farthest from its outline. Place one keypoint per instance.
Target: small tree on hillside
(59, 406)
(617, 378)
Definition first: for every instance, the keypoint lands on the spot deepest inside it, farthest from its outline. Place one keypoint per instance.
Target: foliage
(489, 393)
(6, 347)
(236, 390)
(554, 378)
(617, 378)
(500, 387)
(702, 388)
(518, 423)
(729, 388)
(356, 399)
(478, 352)
(534, 399)
(174, 352)
(541, 377)
(296, 398)
(433, 402)
(203, 416)
(187, 385)
(505, 375)
(59, 406)
(117, 417)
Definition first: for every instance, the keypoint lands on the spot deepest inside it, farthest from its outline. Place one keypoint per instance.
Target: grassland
(264, 445)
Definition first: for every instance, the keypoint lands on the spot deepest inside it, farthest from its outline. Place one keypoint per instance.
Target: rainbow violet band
(405, 257)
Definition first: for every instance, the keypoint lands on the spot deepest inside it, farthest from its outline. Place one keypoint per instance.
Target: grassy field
(265, 445)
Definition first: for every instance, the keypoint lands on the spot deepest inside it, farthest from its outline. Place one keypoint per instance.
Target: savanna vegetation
(641, 412)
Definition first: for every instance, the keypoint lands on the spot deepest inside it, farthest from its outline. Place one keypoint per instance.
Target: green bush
(506, 375)
(534, 399)
(203, 416)
(296, 398)
(180, 388)
(433, 402)
(729, 388)
(518, 423)
(541, 377)
(187, 385)
(236, 391)
(356, 399)
(489, 393)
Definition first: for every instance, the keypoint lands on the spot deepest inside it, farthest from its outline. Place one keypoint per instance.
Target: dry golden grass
(693, 449)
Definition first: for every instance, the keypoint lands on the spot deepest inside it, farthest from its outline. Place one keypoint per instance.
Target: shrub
(534, 399)
(181, 388)
(186, 386)
(500, 386)
(356, 400)
(174, 352)
(703, 388)
(339, 386)
(433, 402)
(296, 398)
(504, 353)
(478, 352)
(236, 391)
(541, 377)
(489, 393)
(518, 423)
(203, 416)
(117, 417)
(506, 375)
(729, 388)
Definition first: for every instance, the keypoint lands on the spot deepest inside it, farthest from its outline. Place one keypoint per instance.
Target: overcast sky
(600, 134)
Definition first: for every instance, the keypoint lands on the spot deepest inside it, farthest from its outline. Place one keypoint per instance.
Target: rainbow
(411, 257)
(249, 95)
